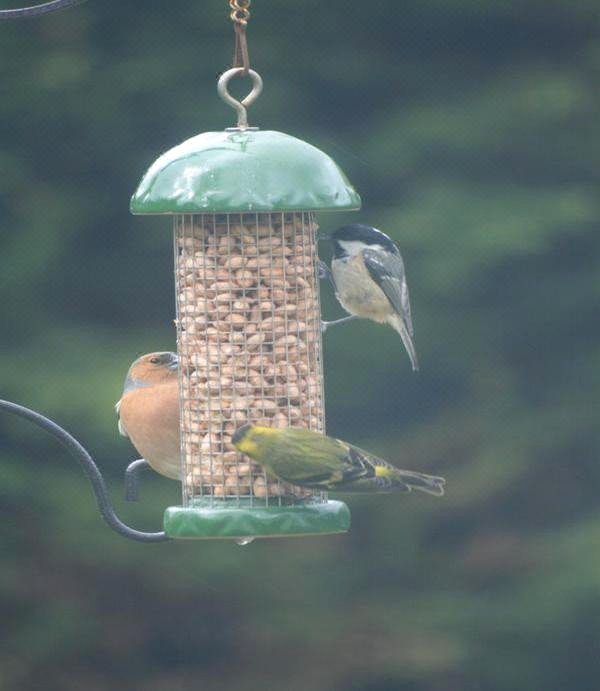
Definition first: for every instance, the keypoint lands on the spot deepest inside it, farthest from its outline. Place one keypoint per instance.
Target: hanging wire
(240, 14)
(36, 10)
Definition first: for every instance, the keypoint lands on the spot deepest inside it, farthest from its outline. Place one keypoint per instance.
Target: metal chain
(240, 14)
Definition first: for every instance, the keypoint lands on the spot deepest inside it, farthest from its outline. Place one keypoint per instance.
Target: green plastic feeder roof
(243, 171)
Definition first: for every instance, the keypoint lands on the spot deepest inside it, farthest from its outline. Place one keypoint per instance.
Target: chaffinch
(148, 411)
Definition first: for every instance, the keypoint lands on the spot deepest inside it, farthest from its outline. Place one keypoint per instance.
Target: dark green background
(472, 131)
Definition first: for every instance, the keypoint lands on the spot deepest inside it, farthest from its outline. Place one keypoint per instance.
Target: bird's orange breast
(150, 416)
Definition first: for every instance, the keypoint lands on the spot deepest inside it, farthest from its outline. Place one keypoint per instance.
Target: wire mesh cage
(249, 341)
(248, 320)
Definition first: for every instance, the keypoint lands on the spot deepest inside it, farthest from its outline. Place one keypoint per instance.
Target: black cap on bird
(240, 433)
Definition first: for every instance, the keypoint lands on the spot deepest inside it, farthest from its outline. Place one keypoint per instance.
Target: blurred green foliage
(472, 131)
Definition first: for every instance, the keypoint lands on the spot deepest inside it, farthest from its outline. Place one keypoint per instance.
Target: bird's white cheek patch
(352, 247)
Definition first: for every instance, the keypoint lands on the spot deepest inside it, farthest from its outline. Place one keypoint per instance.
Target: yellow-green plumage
(311, 459)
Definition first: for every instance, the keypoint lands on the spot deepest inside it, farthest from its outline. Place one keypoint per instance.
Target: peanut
(249, 342)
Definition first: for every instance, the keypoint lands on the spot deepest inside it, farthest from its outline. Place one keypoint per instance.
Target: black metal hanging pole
(36, 10)
(89, 468)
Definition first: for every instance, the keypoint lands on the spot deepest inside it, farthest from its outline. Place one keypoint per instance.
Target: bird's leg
(383, 483)
(324, 272)
(132, 478)
(325, 325)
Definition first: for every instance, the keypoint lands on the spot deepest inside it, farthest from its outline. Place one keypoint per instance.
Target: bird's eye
(155, 360)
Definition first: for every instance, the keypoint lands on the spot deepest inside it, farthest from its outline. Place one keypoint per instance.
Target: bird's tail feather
(390, 478)
(425, 483)
(400, 327)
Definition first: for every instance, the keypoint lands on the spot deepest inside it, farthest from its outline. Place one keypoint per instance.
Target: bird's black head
(351, 239)
(240, 433)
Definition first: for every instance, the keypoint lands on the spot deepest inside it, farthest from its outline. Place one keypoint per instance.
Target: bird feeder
(248, 317)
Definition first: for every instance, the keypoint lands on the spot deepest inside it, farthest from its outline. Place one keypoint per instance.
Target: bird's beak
(174, 363)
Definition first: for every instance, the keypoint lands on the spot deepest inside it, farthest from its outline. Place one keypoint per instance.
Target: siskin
(311, 459)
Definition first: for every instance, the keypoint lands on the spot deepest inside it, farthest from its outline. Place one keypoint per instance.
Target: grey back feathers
(387, 270)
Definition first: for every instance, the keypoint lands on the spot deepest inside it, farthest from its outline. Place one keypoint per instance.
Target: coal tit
(367, 272)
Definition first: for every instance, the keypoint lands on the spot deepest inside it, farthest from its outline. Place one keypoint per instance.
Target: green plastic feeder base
(239, 522)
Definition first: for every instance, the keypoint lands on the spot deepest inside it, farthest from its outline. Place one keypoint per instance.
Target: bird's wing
(120, 424)
(322, 460)
(361, 460)
(306, 458)
(356, 463)
(387, 270)
(393, 479)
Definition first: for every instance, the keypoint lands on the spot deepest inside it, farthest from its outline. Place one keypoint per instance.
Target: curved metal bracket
(132, 478)
(89, 468)
(36, 10)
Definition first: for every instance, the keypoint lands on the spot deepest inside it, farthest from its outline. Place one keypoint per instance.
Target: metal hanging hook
(89, 468)
(240, 106)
